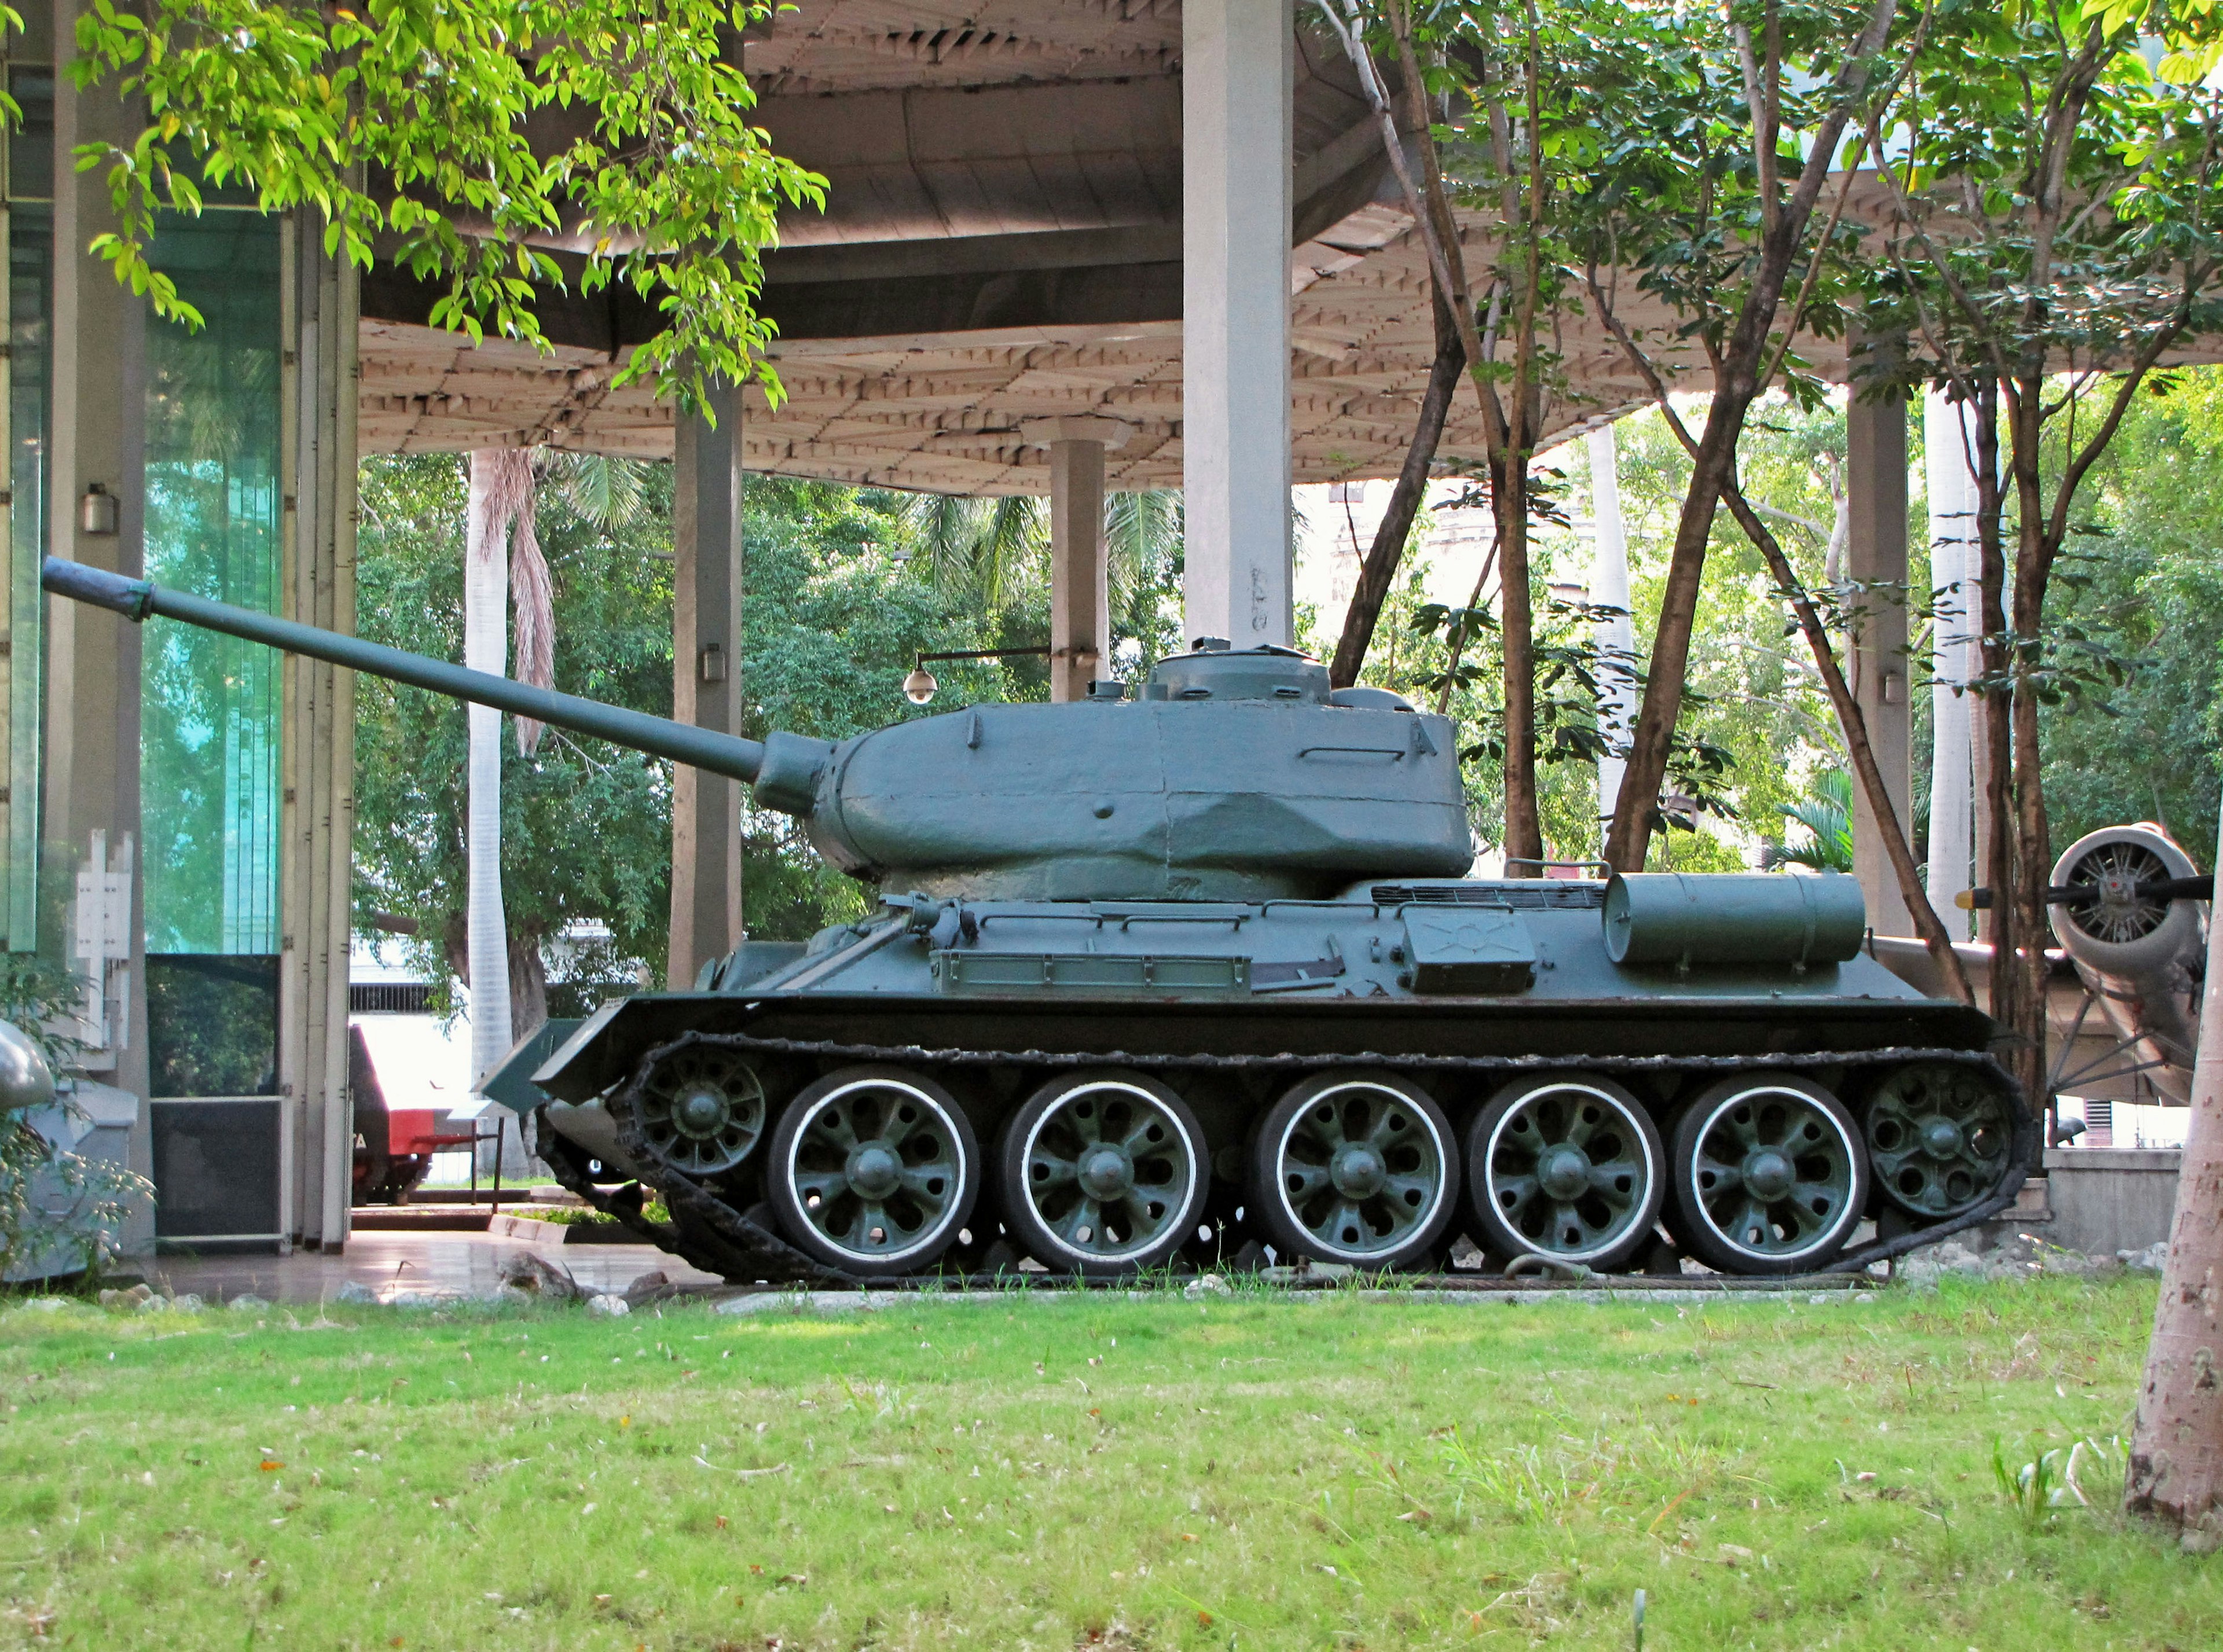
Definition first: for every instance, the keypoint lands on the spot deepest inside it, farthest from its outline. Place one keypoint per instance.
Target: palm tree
(505, 570)
(1827, 814)
(500, 494)
(978, 546)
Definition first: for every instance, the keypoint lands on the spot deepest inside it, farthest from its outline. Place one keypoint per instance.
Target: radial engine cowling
(2141, 956)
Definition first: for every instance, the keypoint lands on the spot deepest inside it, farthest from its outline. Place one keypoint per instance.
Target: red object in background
(408, 1128)
(411, 1130)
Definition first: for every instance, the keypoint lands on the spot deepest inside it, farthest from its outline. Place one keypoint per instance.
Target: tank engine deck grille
(1527, 894)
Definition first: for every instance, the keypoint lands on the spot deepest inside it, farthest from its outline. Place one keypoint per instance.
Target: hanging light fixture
(920, 686)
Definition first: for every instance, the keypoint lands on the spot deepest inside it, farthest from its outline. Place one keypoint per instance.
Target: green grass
(1086, 1471)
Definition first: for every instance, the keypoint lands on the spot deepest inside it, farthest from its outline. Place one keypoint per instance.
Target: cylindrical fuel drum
(1671, 918)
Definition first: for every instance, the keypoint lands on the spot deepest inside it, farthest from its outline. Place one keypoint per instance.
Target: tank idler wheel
(1355, 1168)
(1938, 1136)
(1568, 1165)
(873, 1170)
(701, 1110)
(1769, 1175)
(1102, 1173)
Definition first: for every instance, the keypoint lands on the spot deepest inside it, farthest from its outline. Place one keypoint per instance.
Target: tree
(2146, 585)
(2174, 1471)
(2051, 232)
(1719, 139)
(585, 826)
(1511, 73)
(504, 148)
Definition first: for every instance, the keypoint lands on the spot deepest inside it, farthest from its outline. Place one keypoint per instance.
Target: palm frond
(1827, 814)
(607, 490)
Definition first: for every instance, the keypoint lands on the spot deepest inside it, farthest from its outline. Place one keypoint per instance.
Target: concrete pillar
(1875, 559)
(1615, 637)
(1079, 570)
(1953, 575)
(706, 683)
(1237, 69)
(322, 312)
(97, 413)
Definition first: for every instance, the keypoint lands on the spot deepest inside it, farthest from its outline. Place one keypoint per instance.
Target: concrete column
(1237, 69)
(318, 586)
(706, 683)
(1875, 558)
(1953, 575)
(1615, 637)
(1080, 568)
(97, 410)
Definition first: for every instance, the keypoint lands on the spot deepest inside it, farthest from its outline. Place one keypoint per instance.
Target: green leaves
(506, 149)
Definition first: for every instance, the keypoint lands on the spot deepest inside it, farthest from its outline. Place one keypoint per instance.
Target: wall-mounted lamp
(920, 686)
(96, 512)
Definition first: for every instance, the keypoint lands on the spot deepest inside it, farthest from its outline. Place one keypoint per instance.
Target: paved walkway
(470, 1264)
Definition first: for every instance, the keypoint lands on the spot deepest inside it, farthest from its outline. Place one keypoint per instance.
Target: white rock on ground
(2151, 1260)
(537, 1276)
(246, 1302)
(1207, 1284)
(609, 1306)
(356, 1293)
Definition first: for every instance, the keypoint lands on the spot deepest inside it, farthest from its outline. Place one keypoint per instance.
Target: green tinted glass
(211, 705)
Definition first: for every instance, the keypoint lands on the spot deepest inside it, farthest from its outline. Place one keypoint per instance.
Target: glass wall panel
(28, 232)
(209, 764)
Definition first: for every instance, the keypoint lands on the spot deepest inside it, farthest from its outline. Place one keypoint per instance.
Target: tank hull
(1211, 1018)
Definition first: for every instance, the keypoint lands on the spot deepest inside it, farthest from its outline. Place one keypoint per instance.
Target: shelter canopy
(1002, 243)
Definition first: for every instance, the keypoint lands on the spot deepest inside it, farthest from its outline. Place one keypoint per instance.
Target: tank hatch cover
(1469, 949)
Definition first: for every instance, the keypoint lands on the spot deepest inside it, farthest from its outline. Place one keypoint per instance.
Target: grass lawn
(1082, 1472)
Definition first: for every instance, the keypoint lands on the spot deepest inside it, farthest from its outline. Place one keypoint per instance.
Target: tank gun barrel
(699, 748)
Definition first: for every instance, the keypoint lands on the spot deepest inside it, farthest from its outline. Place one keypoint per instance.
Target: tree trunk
(1857, 745)
(486, 648)
(2175, 1471)
(1997, 777)
(1636, 810)
(1380, 568)
(528, 988)
(1508, 491)
(2032, 851)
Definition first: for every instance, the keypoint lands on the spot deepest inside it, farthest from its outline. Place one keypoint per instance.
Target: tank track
(742, 1245)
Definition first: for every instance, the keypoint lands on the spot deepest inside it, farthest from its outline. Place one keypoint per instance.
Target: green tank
(1196, 976)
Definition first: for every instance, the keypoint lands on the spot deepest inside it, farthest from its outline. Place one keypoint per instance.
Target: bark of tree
(1509, 492)
(1379, 571)
(528, 987)
(492, 503)
(2175, 1469)
(1868, 773)
(1738, 380)
(1857, 745)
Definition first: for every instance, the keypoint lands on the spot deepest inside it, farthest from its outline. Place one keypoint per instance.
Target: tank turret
(1237, 774)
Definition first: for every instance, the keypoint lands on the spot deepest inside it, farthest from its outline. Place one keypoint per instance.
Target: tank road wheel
(702, 1111)
(1565, 1164)
(1769, 1176)
(1103, 1174)
(1938, 1137)
(1357, 1168)
(873, 1170)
